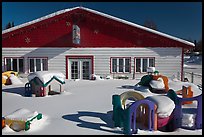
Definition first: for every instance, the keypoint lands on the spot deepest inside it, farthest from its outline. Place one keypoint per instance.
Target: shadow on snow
(107, 118)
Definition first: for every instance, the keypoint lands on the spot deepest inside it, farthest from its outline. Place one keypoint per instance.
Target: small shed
(46, 83)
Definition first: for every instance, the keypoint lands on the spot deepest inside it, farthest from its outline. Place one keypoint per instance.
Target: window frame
(123, 66)
(18, 65)
(141, 63)
(41, 63)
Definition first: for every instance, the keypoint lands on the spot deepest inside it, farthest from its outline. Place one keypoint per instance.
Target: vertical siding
(167, 60)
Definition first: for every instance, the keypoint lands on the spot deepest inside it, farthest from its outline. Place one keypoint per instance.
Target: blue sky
(179, 19)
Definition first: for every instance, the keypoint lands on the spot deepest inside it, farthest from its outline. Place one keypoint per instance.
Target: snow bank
(95, 77)
(177, 85)
(195, 59)
(109, 77)
(15, 80)
(165, 105)
(188, 120)
(46, 76)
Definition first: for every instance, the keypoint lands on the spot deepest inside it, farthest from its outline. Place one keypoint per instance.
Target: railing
(193, 78)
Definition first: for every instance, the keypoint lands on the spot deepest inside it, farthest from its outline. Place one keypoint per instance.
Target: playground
(85, 108)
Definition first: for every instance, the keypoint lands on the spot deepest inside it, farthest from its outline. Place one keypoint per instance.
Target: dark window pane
(120, 65)
(144, 65)
(138, 65)
(127, 65)
(32, 65)
(21, 65)
(15, 65)
(114, 65)
(151, 62)
(38, 65)
(8, 64)
(44, 63)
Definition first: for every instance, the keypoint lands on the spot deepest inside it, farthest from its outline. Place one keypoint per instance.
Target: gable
(96, 30)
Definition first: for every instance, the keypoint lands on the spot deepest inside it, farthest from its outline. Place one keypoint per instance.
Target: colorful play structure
(6, 77)
(41, 83)
(20, 119)
(156, 83)
(145, 113)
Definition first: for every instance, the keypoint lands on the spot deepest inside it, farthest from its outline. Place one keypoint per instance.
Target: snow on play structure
(10, 77)
(15, 80)
(20, 119)
(157, 83)
(154, 112)
(42, 83)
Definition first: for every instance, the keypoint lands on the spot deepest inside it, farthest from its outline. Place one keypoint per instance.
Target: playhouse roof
(47, 76)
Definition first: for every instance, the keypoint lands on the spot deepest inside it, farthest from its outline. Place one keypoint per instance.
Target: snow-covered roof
(102, 14)
(37, 20)
(46, 76)
(22, 114)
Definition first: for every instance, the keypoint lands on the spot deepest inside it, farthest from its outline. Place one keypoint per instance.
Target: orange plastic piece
(187, 93)
(3, 123)
(155, 117)
(165, 79)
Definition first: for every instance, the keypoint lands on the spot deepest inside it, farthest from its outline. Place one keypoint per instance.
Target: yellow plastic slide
(130, 94)
(6, 75)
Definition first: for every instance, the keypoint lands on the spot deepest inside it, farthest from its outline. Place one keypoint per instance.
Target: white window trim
(141, 63)
(35, 67)
(11, 58)
(117, 64)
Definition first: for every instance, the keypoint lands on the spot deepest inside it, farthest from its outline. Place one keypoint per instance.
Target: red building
(80, 41)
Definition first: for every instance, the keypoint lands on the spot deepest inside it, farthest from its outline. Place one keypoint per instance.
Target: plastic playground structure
(20, 119)
(132, 116)
(143, 113)
(6, 77)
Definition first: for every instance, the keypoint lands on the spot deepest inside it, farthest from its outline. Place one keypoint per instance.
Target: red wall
(54, 32)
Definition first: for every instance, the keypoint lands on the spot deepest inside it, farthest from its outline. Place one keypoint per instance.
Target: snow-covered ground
(193, 64)
(85, 108)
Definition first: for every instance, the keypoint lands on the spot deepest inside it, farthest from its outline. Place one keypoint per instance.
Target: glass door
(80, 68)
(75, 72)
(85, 69)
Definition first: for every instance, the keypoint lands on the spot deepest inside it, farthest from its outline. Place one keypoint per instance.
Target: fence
(193, 78)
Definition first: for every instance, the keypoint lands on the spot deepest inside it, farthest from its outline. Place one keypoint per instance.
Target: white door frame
(79, 68)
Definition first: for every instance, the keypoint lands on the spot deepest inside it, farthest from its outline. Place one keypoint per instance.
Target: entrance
(79, 68)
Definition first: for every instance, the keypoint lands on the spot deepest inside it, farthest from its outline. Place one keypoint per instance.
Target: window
(14, 63)
(114, 65)
(138, 65)
(37, 64)
(127, 65)
(141, 64)
(120, 65)
(144, 65)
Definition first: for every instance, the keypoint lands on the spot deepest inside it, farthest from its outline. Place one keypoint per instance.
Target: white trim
(118, 66)
(102, 14)
(141, 63)
(11, 63)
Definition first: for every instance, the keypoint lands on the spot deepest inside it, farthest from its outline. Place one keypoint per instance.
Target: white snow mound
(15, 80)
(165, 105)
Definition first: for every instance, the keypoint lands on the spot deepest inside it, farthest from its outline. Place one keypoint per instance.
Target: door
(80, 68)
